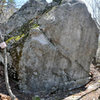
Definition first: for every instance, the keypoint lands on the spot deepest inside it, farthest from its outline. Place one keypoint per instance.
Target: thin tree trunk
(13, 97)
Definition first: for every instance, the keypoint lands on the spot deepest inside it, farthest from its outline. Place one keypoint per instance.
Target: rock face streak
(57, 51)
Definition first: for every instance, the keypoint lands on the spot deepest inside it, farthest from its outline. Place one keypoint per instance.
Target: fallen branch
(88, 93)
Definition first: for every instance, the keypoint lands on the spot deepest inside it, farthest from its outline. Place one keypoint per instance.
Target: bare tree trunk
(13, 97)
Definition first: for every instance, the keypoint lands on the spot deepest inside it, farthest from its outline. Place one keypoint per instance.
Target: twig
(88, 93)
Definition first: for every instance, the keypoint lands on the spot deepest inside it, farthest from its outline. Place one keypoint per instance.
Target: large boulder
(52, 50)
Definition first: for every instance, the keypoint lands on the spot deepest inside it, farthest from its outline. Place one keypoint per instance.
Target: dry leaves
(5, 97)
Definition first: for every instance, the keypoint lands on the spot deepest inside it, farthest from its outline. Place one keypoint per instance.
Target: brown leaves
(5, 97)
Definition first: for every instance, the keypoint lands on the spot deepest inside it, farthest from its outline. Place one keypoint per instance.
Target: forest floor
(90, 91)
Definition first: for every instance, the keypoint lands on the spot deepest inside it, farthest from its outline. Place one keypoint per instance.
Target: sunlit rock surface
(52, 50)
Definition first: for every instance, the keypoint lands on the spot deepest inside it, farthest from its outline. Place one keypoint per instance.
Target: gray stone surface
(26, 12)
(97, 56)
(58, 47)
(6, 13)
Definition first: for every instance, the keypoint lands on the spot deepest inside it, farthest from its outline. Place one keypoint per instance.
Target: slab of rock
(56, 49)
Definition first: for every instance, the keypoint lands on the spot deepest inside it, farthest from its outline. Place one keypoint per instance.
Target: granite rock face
(96, 60)
(6, 13)
(57, 48)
